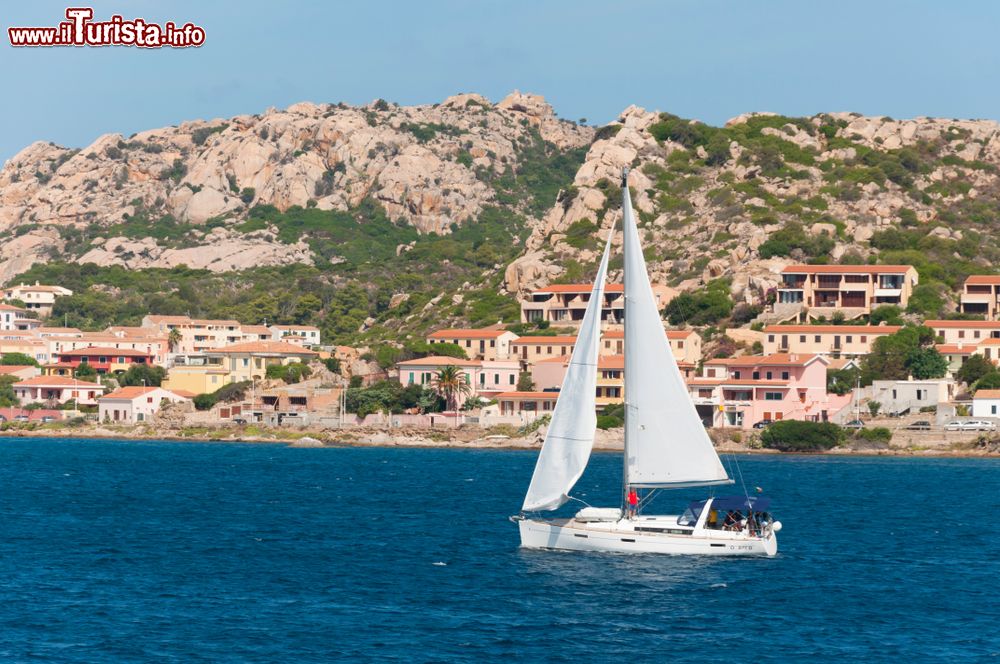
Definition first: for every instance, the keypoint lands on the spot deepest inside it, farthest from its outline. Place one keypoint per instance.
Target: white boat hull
(622, 536)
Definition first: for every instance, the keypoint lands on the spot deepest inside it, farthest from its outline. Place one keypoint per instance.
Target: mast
(625, 318)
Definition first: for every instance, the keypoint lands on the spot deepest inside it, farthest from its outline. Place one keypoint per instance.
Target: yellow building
(200, 379)
(250, 360)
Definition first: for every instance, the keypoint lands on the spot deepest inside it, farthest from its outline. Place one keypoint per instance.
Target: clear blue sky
(699, 58)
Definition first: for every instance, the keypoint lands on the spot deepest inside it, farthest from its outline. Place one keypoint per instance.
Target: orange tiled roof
(671, 334)
(13, 368)
(956, 349)
(783, 359)
(440, 360)
(274, 347)
(540, 341)
(983, 279)
(956, 324)
(846, 329)
(528, 395)
(986, 394)
(130, 392)
(579, 288)
(98, 350)
(56, 381)
(845, 269)
(466, 334)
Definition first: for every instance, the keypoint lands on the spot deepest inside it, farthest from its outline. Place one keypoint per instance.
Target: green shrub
(797, 436)
(874, 435)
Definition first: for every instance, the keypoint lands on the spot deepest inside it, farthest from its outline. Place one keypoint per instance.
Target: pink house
(486, 378)
(741, 391)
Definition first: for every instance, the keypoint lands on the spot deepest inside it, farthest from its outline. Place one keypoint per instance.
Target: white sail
(570, 435)
(665, 442)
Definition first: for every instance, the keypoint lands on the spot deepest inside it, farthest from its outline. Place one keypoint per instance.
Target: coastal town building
(833, 340)
(485, 378)
(199, 378)
(38, 298)
(530, 349)
(988, 348)
(964, 331)
(565, 304)
(527, 406)
(16, 319)
(851, 290)
(20, 372)
(981, 296)
(742, 391)
(479, 344)
(196, 335)
(955, 354)
(304, 335)
(57, 389)
(135, 404)
(155, 347)
(104, 359)
(250, 360)
(24, 344)
(685, 344)
(899, 397)
(986, 403)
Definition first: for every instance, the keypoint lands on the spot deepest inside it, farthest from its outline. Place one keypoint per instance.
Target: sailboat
(666, 446)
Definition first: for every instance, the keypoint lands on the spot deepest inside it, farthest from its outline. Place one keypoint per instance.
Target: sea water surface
(180, 552)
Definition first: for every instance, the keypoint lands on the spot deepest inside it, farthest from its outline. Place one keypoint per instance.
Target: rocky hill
(744, 200)
(427, 166)
(373, 220)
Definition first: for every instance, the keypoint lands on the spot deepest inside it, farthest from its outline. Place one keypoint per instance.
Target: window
(920, 394)
(864, 339)
(961, 334)
(510, 379)
(548, 350)
(736, 375)
(496, 379)
(680, 344)
(772, 396)
(493, 343)
(850, 339)
(976, 334)
(784, 375)
(770, 338)
(993, 409)
(768, 375)
(149, 399)
(816, 339)
(708, 372)
(802, 338)
(756, 375)
(894, 394)
(482, 379)
(538, 350)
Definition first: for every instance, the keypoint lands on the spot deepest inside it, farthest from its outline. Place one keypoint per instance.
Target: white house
(135, 404)
(986, 403)
(305, 335)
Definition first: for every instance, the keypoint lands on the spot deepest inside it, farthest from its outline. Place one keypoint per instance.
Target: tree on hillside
(17, 359)
(925, 363)
(889, 314)
(974, 368)
(989, 381)
(142, 374)
(907, 352)
(524, 382)
(451, 383)
(703, 307)
(7, 396)
(85, 372)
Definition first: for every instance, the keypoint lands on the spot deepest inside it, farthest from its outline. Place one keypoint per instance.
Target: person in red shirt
(633, 503)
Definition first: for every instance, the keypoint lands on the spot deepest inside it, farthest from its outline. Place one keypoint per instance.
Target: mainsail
(570, 435)
(665, 442)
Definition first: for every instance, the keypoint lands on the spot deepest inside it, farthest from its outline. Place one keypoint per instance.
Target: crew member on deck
(633, 503)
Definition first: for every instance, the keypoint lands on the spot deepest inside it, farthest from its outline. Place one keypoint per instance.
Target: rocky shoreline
(460, 438)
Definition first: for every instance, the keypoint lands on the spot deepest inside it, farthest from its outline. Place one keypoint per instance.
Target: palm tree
(174, 339)
(451, 382)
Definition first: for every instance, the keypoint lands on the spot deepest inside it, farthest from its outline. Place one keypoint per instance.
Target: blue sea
(116, 551)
